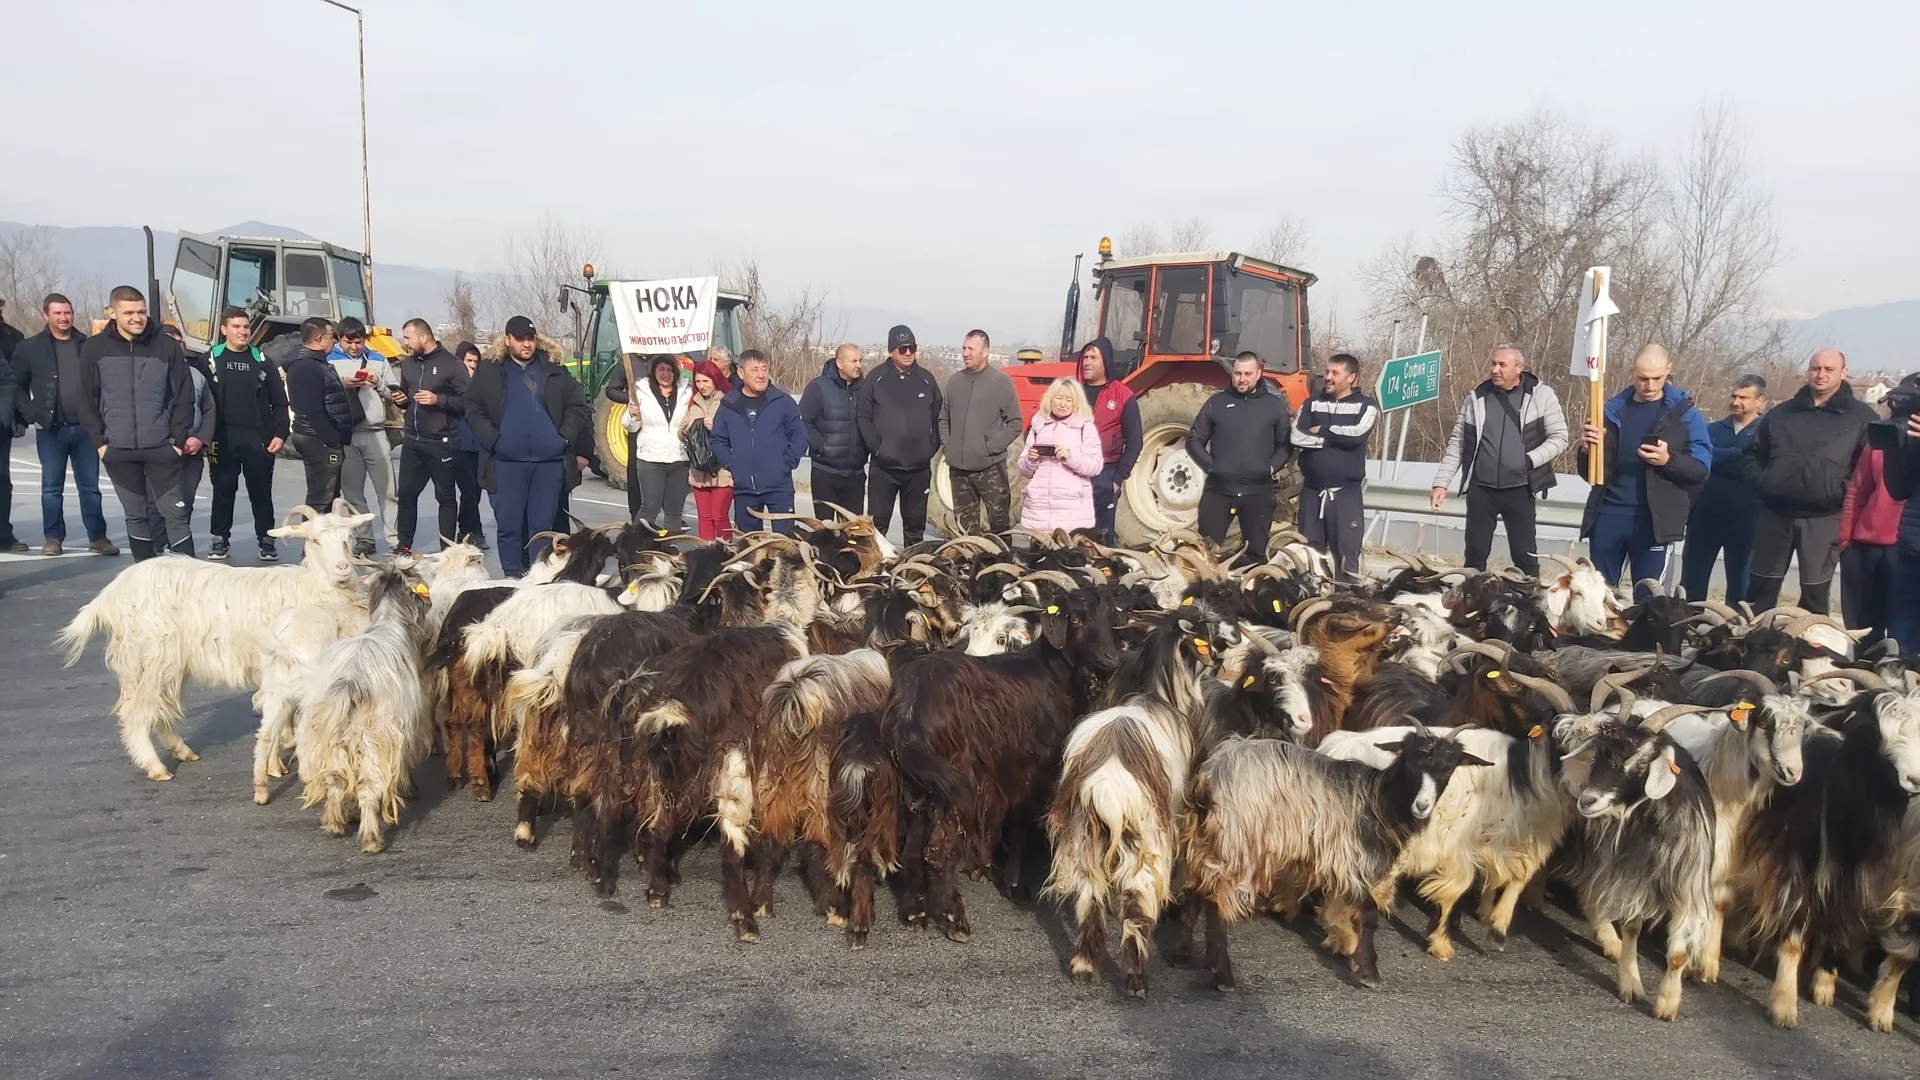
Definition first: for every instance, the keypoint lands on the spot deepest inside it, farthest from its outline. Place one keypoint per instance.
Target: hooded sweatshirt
(1116, 414)
(979, 419)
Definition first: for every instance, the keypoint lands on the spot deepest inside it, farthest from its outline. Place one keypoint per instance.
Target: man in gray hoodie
(136, 403)
(979, 419)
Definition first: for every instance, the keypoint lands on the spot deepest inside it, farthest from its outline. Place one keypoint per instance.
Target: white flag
(674, 316)
(1589, 328)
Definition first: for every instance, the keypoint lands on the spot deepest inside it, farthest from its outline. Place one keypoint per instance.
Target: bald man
(1657, 455)
(839, 470)
(1799, 465)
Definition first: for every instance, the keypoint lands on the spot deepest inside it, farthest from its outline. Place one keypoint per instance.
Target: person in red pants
(712, 492)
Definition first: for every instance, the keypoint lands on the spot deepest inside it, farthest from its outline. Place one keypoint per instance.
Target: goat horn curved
(1662, 717)
(1045, 540)
(1298, 619)
(717, 579)
(1023, 609)
(1726, 613)
(1865, 680)
(1752, 678)
(1480, 648)
(1553, 692)
(577, 523)
(1264, 570)
(1615, 683)
(1571, 566)
(1092, 573)
(1653, 586)
(776, 540)
(1291, 536)
(554, 533)
(838, 509)
(1053, 577)
(1776, 614)
(980, 544)
(1000, 567)
(286, 520)
(919, 567)
(1800, 624)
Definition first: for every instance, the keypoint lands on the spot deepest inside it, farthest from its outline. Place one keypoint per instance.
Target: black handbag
(700, 456)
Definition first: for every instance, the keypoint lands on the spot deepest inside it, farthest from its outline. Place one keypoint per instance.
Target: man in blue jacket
(759, 436)
(1724, 516)
(833, 434)
(1658, 456)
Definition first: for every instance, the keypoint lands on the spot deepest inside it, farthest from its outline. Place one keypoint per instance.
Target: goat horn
(838, 509)
(1092, 573)
(1653, 584)
(1000, 567)
(286, 521)
(1571, 566)
(550, 532)
(1553, 692)
(1045, 540)
(1662, 717)
(1615, 683)
(919, 567)
(1865, 680)
(1753, 678)
(1726, 613)
(1480, 648)
(1801, 624)
(1023, 609)
(1774, 615)
(1264, 570)
(774, 541)
(981, 544)
(1298, 620)
(1291, 536)
(1053, 577)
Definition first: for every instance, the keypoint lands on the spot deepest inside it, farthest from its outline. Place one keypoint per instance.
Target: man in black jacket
(833, 434)
(1331, 434)
(250, 406)
(899, 415)
(1799, 464)
(136, 402)
(532, 423)
(433, 394)
(46, 369)
(324, 414)
(12, 424)
(1240, 440)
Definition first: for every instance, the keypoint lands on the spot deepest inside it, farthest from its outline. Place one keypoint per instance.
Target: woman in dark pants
(1869, 535)
(466, 462)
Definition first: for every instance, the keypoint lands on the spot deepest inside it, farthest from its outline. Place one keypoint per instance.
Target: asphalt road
(178, 930)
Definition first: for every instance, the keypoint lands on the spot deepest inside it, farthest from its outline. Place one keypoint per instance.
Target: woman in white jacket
(657, 460)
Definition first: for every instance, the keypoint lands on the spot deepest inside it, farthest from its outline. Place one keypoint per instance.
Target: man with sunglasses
(899, 417)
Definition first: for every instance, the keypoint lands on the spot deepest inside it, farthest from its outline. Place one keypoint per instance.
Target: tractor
(278, 282)
(1176, 322)
(597, 352)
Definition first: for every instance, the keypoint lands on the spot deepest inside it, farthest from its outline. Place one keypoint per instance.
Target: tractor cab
(279, 283)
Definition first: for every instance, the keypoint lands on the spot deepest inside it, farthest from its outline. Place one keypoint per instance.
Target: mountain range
(1878, 337)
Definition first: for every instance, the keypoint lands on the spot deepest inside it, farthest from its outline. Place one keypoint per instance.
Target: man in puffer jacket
(839, 454)
(1799, 464)
(1116, 414)
(760, 438)
(324, 414)
(136, 402)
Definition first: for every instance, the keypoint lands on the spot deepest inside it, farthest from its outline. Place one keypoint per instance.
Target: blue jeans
(1621, 536)
(767, 502)
(1903, 607)
(1708, 534)
(59, 446)
(526, 500)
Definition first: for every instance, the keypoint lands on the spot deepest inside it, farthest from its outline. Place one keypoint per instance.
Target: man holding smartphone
(368, 456)
(1657, 455)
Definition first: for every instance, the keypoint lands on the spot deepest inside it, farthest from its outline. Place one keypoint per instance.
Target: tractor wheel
(1163, 493)
(610, 439)
(940, 499)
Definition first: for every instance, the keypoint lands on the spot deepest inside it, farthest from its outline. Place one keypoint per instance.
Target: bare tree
(1193, 234)
(1147, 238)
(462, 310)
(535, 261)
(29, 270)
(1284, 242)
(795, 335)
(1144, 238)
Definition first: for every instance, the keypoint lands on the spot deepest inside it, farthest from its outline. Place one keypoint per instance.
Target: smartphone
(1046, 451)
(1649, 440)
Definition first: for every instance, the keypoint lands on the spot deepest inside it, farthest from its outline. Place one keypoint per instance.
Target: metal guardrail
(1394, 498)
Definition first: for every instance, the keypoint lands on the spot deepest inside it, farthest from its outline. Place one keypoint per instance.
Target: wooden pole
(1596, 412)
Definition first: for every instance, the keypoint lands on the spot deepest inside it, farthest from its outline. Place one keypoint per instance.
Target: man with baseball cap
(899, 417)
(530, 419)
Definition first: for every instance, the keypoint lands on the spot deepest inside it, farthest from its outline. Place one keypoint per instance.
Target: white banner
(1590, 326)
(670, 316)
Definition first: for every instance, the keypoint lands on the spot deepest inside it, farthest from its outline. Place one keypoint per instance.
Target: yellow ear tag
(1471, 615)
(1276, 607)
(1188, 602)
(420, 588)
(1106, 571)
(1246, 682)
(1200, 646)
(1494, 674)
(1536, 731)
(1053, 609)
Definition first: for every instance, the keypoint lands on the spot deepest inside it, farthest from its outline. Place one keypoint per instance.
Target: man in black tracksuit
(899, 415)
(839, 456)
(1331, 434)
(1240, 440)
(324, 414)
(136, 402)
(433, 393)
(250, 406)
(1799, 464)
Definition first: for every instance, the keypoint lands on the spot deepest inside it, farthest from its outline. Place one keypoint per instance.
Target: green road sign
(1410, 380)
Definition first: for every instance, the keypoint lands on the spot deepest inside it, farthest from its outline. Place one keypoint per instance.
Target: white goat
(365, 724)
(994, 628)
(1579, 600)
(168, 620)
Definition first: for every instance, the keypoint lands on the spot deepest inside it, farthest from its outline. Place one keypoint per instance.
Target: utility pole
(366, 203)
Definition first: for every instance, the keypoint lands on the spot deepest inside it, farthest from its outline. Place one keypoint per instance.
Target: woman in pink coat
(1062, 458)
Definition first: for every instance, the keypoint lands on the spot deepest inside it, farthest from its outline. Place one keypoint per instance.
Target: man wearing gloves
(1331, 435)
(899, 416)
(979, 419)
(1116, 415)
(1240, 439)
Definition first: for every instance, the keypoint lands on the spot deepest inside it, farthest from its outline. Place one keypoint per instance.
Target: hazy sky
(947, 160)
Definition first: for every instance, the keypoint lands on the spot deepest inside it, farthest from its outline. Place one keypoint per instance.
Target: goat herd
(1221, 741)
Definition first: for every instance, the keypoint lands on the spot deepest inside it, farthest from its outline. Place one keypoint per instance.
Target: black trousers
(466, 476)
(847, 490)
(1333, 521)
(1776, 540)
(322, 465)
(1254, 511)
(419, 460)
(982, 493)
(1867, 574)
(7, 539)
(234, 455)
(1513, 506)
(911, 486)
(135, 473)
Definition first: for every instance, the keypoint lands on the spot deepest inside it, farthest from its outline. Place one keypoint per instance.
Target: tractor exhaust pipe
(1072, 320)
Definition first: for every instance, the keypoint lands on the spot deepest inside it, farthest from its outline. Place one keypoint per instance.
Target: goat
(298, 637)
(465, 725)
(365, 723)
(531, 707)
(170, 620)
(1115, 815)
(1820, 861)
(1268, 816)
(1579, 601)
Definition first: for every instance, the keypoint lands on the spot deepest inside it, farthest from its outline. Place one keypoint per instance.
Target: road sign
(1409, 381)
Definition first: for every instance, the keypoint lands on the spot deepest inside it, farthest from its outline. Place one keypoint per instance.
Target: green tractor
(597, 354)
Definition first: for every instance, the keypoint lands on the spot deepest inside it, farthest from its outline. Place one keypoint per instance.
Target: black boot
(1817, 598)
(142, 549)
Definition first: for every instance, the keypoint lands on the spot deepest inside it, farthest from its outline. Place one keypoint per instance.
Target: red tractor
(1176, 322)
